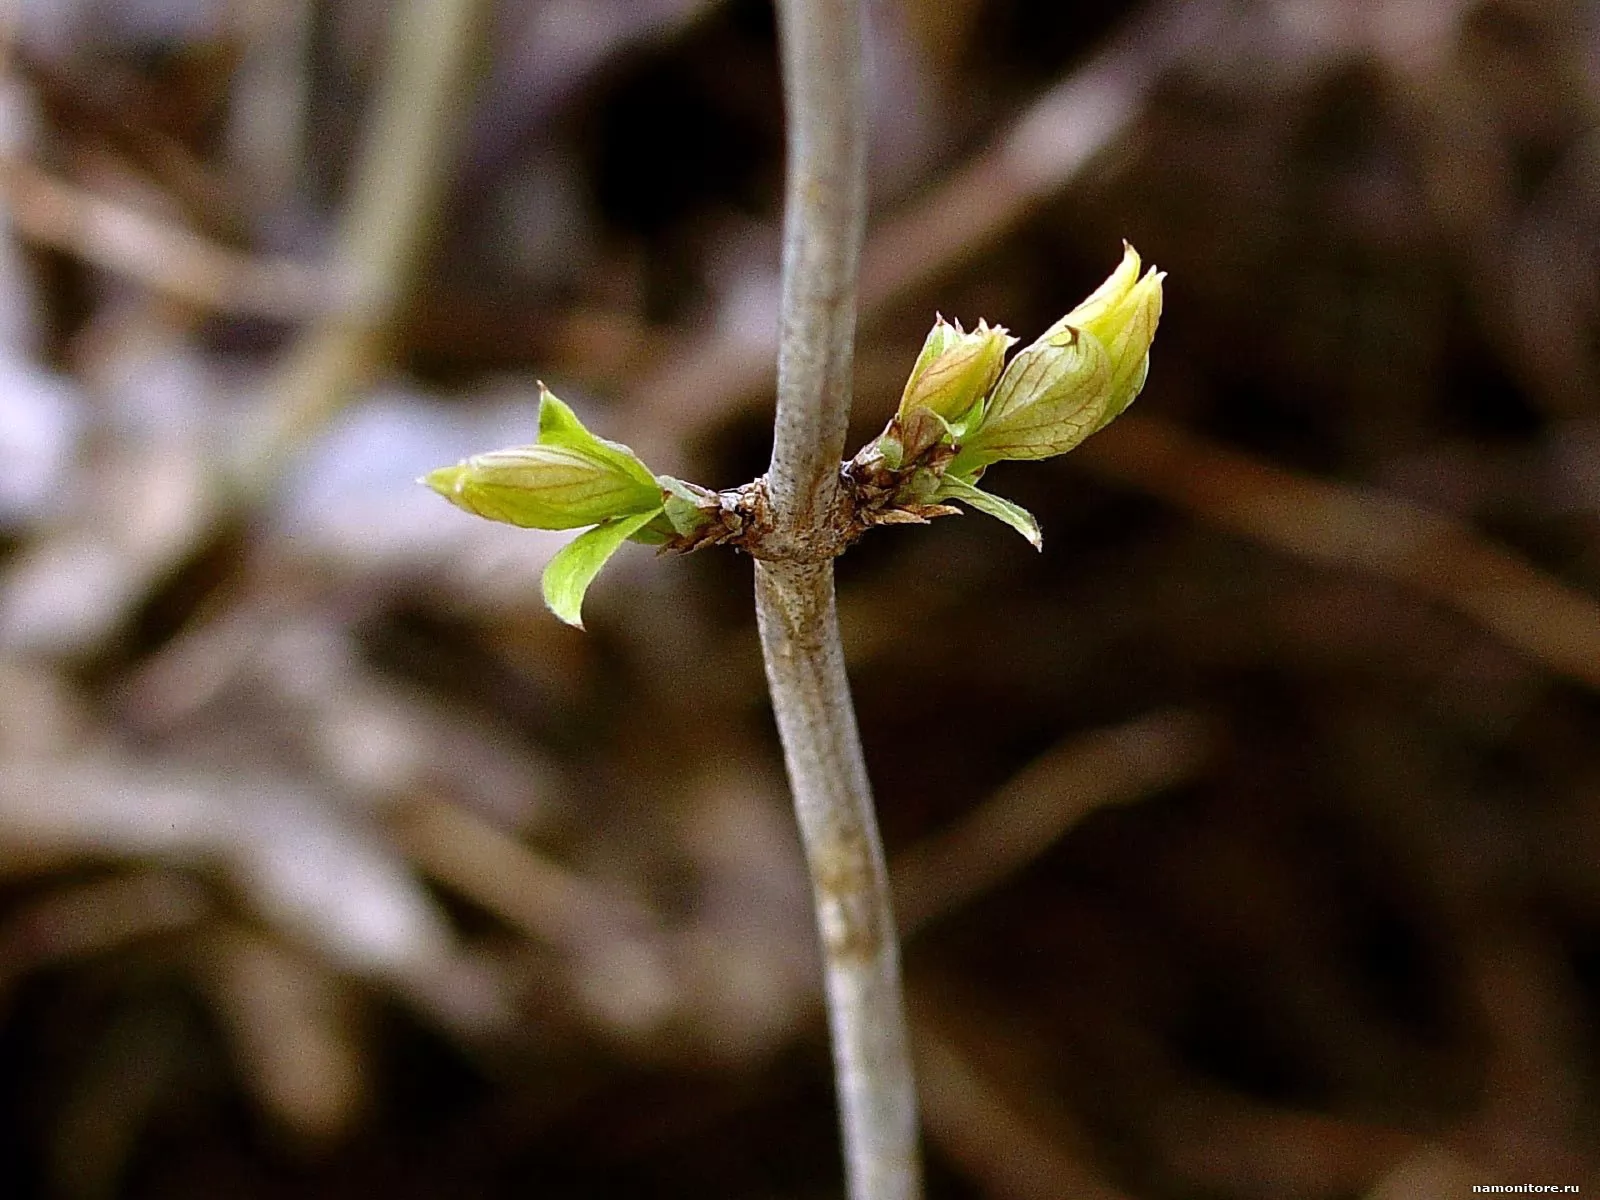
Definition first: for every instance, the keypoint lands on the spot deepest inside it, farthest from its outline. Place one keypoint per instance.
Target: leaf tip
(566, 609)
(447, 481)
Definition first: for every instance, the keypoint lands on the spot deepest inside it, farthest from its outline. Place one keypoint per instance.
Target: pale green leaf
(559, 426)
(1001, 509)
(1050, 398)
(543, 487)
(955, 369)
(686, 505)
(570, 572)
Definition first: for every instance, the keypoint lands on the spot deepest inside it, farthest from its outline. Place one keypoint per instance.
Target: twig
(824, 217)
(1359, 529)
(1212, 1140)
(267, 129)
(543, 899)
(998, 1125)
(399, 180)
(1059, 137)
(167, 258)
(1034, 810)
(1431, 1169)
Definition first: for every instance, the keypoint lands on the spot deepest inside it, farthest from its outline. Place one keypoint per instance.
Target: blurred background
(1246, 841)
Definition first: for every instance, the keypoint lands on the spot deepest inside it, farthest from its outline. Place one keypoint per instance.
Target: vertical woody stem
(822, 750)
(821, 43)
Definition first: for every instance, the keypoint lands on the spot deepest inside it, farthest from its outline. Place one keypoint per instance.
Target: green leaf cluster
(963, 409)
(568, 479)
(1078, 377)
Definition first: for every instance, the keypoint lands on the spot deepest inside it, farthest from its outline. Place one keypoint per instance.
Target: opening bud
(955, 369)
(1081, 373)
(567, 479)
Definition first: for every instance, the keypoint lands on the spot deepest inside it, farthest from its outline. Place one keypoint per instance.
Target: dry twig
(1361, 529)
(1036, 808)
(398, 183)
(167, 258)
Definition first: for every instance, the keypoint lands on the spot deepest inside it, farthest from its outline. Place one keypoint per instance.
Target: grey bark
(821, 43)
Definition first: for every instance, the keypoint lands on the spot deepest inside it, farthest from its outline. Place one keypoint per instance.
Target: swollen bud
(568, 479)
(1081, 373)
(541, 487)
(955, 369)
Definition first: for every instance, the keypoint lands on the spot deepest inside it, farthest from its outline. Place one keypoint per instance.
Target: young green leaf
(1001, 509)
(559, 426)
(687, 506)
(1050, 398)
(572, 570)
(567, 479)
(1079, 376)
(955, 369)
(543, 487)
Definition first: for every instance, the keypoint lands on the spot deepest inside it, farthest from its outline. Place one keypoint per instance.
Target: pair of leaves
(568, 575)
(1072, 382)
(961, 400)
(567, 479)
